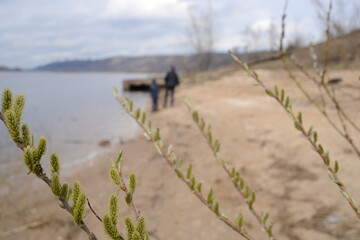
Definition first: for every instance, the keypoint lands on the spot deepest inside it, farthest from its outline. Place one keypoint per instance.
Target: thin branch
(132, 203)
(64, 203)
(93, 211)
(318, 148)
(227, 168)
(181, 176)
(327, 43)
(321, 84)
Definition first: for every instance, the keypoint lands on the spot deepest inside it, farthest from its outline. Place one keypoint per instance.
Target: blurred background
(66, 56)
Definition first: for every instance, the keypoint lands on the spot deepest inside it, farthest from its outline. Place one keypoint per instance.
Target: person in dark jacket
(154, 91)
(171, 81)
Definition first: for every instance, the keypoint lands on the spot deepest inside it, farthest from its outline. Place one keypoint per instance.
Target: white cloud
(262, 25)
(145, 9)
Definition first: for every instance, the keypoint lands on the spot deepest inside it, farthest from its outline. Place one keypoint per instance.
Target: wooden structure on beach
(141, 84)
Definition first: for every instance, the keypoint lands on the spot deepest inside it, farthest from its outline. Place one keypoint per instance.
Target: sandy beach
(256, 136)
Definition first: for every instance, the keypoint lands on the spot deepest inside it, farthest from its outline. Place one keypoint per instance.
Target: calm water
(74, 111)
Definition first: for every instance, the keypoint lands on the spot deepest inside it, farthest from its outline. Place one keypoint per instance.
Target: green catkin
(136, 236)
(76, 192)
(137, 113)
(192, 183)
(240, 220)
(216, 208)
(143, 118)
(265, 218)
(198, 187)
(79, 209)
(6, 100)
(253, 197)
(195, 116)
(157, 135)
(129, 227)
(146, 236)
(131, 106)
(132, 183)
(113, 207)
(336, 167)
(210, 196)
(118, 160)
(54, 162)
(64, 191)
(19, 106)
(149, 126)
(189, 171)
(13, 126)
(128, 198)
(110, 228)
(140, 226)
(287, 102)
(114, 176)
(27, 157)
(25, 135)
(55, 184)
(40, 150)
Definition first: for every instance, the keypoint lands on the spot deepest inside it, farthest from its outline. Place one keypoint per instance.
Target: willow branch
(298, 124)
(227, 168)
(321, 85)
(132, 204)
(181, 176)
(64, 203)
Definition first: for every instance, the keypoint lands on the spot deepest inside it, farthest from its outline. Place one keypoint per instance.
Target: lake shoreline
(73, 111)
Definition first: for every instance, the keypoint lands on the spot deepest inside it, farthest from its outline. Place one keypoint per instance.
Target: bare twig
(327, 43)
(93, 211)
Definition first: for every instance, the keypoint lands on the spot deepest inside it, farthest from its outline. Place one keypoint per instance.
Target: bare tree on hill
(345, 17)
(202, 37)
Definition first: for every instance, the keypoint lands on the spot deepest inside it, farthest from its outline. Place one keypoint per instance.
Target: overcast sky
(35, 32)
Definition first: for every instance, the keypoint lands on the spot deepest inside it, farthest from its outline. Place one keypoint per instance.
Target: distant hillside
(138, 64)
(3, 68)
(344, 52)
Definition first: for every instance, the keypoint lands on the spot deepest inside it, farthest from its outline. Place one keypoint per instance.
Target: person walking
(154, 91)
(171, 81)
